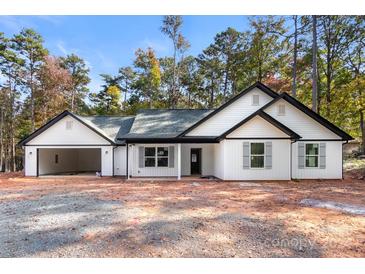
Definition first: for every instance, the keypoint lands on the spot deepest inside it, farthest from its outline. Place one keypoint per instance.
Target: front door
(195, 161)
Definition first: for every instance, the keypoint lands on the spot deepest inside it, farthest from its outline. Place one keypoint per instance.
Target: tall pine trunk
(294, 87)
(314, 65)
(32, 107)
(362, 127)
(1, 139)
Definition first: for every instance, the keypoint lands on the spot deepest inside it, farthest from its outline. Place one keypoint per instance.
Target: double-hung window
(257, 155)
(149, 156)
(311, 155)
(162, 156)
(156, 156)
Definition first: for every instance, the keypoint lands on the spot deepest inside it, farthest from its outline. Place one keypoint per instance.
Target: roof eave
(258, 85)
(54, 120)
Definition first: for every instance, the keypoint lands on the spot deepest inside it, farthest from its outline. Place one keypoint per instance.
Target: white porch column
(179, 161)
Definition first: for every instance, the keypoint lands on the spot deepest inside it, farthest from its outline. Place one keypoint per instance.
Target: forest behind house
(320, 60)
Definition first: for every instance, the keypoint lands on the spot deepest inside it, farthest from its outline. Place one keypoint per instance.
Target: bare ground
(110, 217)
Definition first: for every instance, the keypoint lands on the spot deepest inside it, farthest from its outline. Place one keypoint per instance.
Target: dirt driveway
(100, 217)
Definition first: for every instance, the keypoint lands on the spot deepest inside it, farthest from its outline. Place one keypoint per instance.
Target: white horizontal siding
(233, 161)
(257, 127)
(231, 115)
(300, 122)
(333, 168)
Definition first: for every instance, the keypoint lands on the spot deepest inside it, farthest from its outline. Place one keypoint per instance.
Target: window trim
(305, 155)
(156, 157)
(263, 155)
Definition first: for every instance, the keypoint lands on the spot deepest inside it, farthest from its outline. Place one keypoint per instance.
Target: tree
(355, 60)
(29, 46)
(10, 66)
(80, 79)
(126, 79)
(265, 53)
(107, 101)
(333, 40)
(315, 95)
(55, 87)
(148, 75)
(171, 26)
(210, 68)
(226, 48)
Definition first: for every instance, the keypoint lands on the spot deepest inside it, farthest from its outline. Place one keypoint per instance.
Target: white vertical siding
(219, 160)
(107, 161)
(152, 171)
(257, 127)
(333, 168)
(231, 115)
(207, 158)
(300, 122)
(207, 161)
(120, 161)
(30, 158)
(233, 161)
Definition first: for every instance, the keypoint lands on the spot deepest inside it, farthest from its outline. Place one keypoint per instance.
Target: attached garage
(69, 161)
(70, 145)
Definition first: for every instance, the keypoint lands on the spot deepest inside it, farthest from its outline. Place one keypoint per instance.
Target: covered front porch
(171, 160)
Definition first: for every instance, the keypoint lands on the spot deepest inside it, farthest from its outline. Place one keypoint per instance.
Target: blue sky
(107, 43)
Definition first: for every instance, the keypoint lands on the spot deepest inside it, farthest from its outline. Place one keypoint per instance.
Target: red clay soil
(201, 219)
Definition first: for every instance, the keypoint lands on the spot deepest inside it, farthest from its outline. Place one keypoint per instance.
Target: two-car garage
(69, 145)
(69, 161)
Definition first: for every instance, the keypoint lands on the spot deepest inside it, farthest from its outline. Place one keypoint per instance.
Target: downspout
(291, 158)
(127, 167)
(113, 159)
(342, 156)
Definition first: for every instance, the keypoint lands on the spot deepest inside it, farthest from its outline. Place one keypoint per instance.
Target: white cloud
(61, 46)
(15, 23)
(157, 46)
(105, 61)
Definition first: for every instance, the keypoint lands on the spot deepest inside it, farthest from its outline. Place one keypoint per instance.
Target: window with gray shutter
(322, 155)
(268, 155)
(141, 157)
(301, 155)
(171, 156)
(246, 155)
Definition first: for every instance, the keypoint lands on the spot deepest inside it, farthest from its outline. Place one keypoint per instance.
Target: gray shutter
(268, 153)
(171, 156)
(246, 155)
(322, 155)
(301, 155)
(141, 157)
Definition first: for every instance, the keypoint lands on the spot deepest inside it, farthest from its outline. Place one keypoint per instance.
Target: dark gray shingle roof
(110, 126)
(164, 123)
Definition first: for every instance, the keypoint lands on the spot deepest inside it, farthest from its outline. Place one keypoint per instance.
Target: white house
(257, 135)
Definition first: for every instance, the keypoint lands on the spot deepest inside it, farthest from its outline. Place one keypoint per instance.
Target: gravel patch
(347, 208)
(115, 218)
(249, 184)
